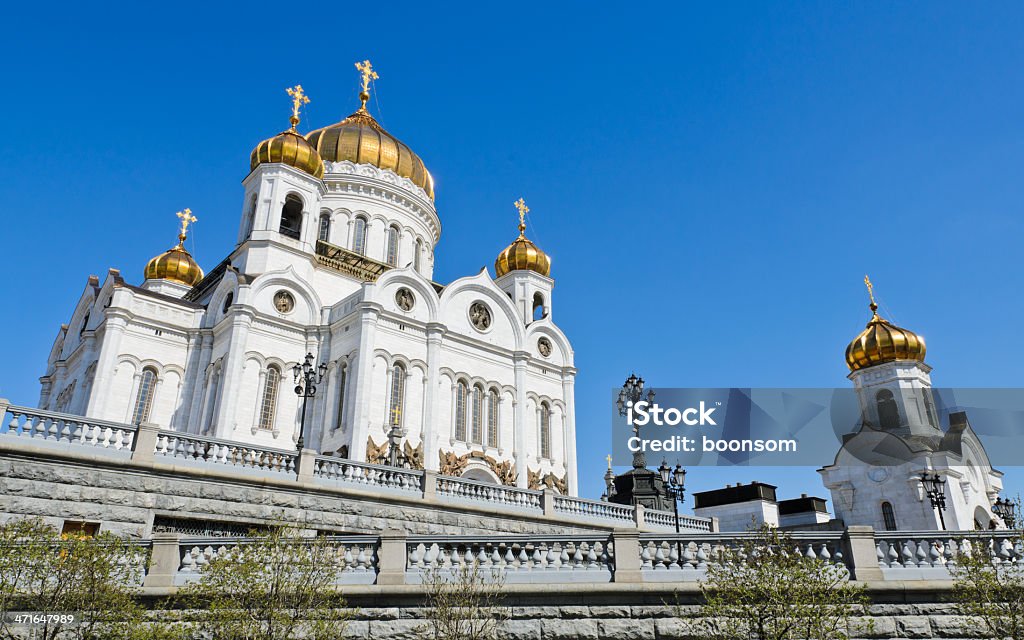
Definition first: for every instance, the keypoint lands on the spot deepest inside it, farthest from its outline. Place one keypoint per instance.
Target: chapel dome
(176, 263)
(289, 147)
(522, 254)
(882, 341)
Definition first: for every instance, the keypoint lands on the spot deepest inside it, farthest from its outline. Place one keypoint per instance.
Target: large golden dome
(522, 254)
(361, 140)
(881, 341)
(176, 263)
(288, 147)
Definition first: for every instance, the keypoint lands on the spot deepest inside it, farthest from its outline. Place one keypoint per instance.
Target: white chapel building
(335, 257)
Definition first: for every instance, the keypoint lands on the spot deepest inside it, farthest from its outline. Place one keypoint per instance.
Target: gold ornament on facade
(548, 481)
(381, 454)
(176, 264)
(881, 341)
(522, 254)
(453, 465)
(376, 454)
(289, 147)
(361, 140)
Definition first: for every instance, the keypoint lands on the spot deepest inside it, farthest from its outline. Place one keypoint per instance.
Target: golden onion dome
(881, 341)
(176, 263)
(289, 147)
(522, 254)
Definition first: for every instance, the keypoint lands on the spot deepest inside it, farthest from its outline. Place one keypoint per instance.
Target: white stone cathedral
(876, 479)
(335, 257)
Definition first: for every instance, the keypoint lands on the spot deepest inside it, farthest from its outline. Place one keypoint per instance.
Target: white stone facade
(207, 353)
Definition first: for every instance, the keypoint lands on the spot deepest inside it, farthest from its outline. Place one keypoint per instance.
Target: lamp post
(395, 456)
(631, 393)
(935, 488)
(674, 482)
(306, 378)
(1006, 510)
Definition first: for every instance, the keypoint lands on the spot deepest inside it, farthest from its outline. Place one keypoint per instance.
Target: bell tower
(524, 272)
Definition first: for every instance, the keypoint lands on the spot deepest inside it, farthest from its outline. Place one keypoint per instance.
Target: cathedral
(335, 259)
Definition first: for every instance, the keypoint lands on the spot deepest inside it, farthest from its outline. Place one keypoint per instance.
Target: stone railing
(148, 444)
(48, 426)
(184, 446)
(931, 554)
(515, 558)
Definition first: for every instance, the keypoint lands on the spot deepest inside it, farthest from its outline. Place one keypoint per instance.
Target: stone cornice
(382, 185)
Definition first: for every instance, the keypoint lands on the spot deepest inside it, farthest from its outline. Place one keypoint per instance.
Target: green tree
(989, 584)
(274, 586)
(767, 589)
(95, 578)
(463, 603)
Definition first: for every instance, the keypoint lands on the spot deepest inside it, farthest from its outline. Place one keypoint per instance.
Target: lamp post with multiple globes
(935, 489)
(1007, 512)
(631, 393)
(674, 482)
(307, 377)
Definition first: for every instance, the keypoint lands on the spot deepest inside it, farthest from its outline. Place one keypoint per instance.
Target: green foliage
(94, 577)
(990, 589)
(462, 603)
(276, 586)
(766, 589)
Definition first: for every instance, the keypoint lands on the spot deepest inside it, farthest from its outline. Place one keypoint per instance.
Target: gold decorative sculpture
(299, 98)
(547, 481)
(186, 219)
(376, 454)
(414, 456)
(366, 70)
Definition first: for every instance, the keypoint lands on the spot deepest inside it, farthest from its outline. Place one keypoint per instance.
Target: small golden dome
(881, 341)
(176, 263)
(522, 254)
(289, 147)
(361, 140)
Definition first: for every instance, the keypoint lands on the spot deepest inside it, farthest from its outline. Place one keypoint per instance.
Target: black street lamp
(935, 488)
(631, 393)
(306, 378)
(1006, 510)
(396, 458)
(674, 482)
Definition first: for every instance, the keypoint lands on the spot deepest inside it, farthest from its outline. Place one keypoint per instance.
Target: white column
(110, 349)
(193, 421)
(435, 335)
(368, 315)
(519, 361)
(569, 398)
(231, 375)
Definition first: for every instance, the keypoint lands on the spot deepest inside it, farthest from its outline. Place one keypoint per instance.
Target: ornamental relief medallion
(283, 301)
(405, 299)
(544, 347)
(480, 316)
(455, 466)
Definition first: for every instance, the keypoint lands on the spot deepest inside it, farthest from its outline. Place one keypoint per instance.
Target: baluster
(645, 557)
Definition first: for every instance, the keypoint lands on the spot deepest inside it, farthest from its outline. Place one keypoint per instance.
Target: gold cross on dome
(609, 459)
(520, 204)
(186, 219)
(366, 70)
(871, 290)
(299, 98)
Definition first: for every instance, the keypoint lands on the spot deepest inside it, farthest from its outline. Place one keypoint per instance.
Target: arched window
(228, 301)
(888, 517)
(250, 219)
(397, 402)
(211, 405)
(492, 418)
(888, 412)
(477, 414)
(460, 411)
(85, 325)
(324, 232)
(268, 403)
(144, 396)
(291, 217)
(929, 407)
(538, 306)
(392, 252)
(417, 259)
(342, 383)
(545, 430)
(359, 235)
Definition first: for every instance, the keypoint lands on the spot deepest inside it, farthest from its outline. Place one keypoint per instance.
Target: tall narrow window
(418, 257)
(324, 232)
(888, 412)
(342, 383)
(396, 405)
(392, 253)
(888, 517)
(477, 413)
(492, 418)
(460, 412)
(144, 397)
(268, 404)
(359, 235)
(929, 407)
(250, 219)
(538, 306)
(545, 430)
(85, 325)
(211, 410)
(291, 217)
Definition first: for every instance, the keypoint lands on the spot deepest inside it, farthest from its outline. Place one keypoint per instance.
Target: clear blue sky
(712, 181)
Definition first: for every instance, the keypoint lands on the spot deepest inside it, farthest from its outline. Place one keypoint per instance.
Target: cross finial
(299, 98)
(186, 219)
(366, 70)
(520, 204)
(871, 292)
(609, 459)
(396, 413)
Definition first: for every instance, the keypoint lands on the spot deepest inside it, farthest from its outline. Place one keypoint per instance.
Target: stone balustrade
(148, 444)
(930, 554)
